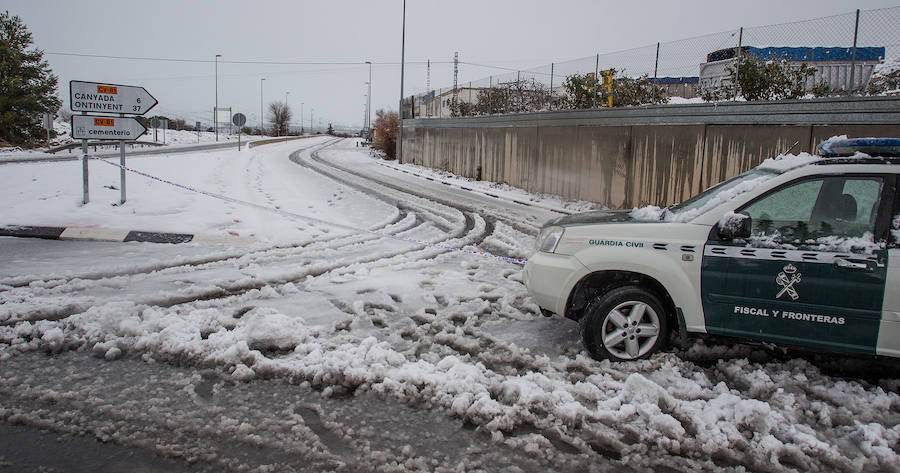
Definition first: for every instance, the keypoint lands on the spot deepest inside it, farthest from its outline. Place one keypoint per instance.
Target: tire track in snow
(228, 290)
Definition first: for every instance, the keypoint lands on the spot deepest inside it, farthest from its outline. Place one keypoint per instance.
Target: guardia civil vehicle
(800, 251)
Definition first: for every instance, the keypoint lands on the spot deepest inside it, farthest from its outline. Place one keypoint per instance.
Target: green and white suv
(802, 250)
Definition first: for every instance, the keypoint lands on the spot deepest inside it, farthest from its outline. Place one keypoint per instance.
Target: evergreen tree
(27, 85)
(330, 129)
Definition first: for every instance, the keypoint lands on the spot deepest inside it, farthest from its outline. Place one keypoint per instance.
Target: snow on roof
(786, 162)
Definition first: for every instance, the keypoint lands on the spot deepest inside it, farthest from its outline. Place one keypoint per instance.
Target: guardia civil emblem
(786, 279)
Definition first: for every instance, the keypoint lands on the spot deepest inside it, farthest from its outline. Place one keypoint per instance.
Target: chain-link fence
(846, 52)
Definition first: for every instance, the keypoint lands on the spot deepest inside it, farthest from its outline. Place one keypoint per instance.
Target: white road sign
(87, 127)
(109, 98)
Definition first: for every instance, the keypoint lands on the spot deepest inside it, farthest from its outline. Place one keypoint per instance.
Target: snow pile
(786, 162)
(764, 416)
(888, 66)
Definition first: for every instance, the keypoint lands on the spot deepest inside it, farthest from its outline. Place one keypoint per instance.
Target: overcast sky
(503, 34)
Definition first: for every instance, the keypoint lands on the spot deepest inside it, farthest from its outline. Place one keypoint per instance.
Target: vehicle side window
(817, 208)
(895, 231)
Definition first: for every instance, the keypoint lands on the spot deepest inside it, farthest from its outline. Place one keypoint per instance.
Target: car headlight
(548, 239)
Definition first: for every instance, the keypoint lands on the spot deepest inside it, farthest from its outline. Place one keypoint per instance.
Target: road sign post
(239, 119)
(85, 197)
(123, 100)
(122, 172)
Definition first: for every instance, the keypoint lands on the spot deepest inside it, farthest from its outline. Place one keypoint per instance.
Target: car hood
(597, 216)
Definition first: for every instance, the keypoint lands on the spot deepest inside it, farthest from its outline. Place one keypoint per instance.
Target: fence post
(596, 80)
(737, 63)
(490, 95)
(851, 85)
(519, 89)
(655, 70)
(550, 95)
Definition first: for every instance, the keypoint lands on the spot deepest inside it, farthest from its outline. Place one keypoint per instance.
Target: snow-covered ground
(169, 138)
(321, 345)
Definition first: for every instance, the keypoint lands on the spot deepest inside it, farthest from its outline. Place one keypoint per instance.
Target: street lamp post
(261, 106)
(216, 110)
(301, 118)
(287, 125)
(369, 98)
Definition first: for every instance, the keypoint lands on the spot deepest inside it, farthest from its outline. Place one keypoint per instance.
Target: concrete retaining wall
(630, 157)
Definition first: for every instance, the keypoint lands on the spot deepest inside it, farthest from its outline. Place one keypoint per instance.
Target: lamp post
(261, 106)
(366, 95)
(301, 118)
(287, 125)
(369, 99)
(216, 110)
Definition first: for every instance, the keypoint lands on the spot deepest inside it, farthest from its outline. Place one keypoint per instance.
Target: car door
(889, 332)
(813, 271)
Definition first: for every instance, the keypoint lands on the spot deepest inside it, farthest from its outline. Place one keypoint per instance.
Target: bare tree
(386, 127)
(280, 115)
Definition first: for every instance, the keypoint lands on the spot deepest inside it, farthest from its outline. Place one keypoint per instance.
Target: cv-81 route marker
(99, 97)
(109, 98)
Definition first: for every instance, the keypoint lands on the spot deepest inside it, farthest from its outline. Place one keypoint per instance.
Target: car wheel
(626, 323)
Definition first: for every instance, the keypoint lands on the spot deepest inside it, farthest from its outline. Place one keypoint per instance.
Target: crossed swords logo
(786, 279)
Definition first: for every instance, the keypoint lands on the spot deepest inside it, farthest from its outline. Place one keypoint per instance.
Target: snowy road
(317, 348)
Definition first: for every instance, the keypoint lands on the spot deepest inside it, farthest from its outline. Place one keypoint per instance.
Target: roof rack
(851, 160)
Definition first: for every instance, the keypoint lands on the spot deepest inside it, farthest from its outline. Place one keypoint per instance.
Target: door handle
(847, 264)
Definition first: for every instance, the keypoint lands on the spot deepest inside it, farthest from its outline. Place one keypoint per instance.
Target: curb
(477, 191)
(114, 235)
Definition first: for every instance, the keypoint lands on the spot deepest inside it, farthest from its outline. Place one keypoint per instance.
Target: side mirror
(733, 226)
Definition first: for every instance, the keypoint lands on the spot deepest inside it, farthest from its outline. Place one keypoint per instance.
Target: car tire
(626, 323)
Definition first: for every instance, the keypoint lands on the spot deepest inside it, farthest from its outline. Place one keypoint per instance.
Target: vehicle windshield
(719, 194)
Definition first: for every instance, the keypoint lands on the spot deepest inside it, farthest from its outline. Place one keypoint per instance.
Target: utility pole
(301, 118)
(369, 99)
(402, 70)
(261, 106)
